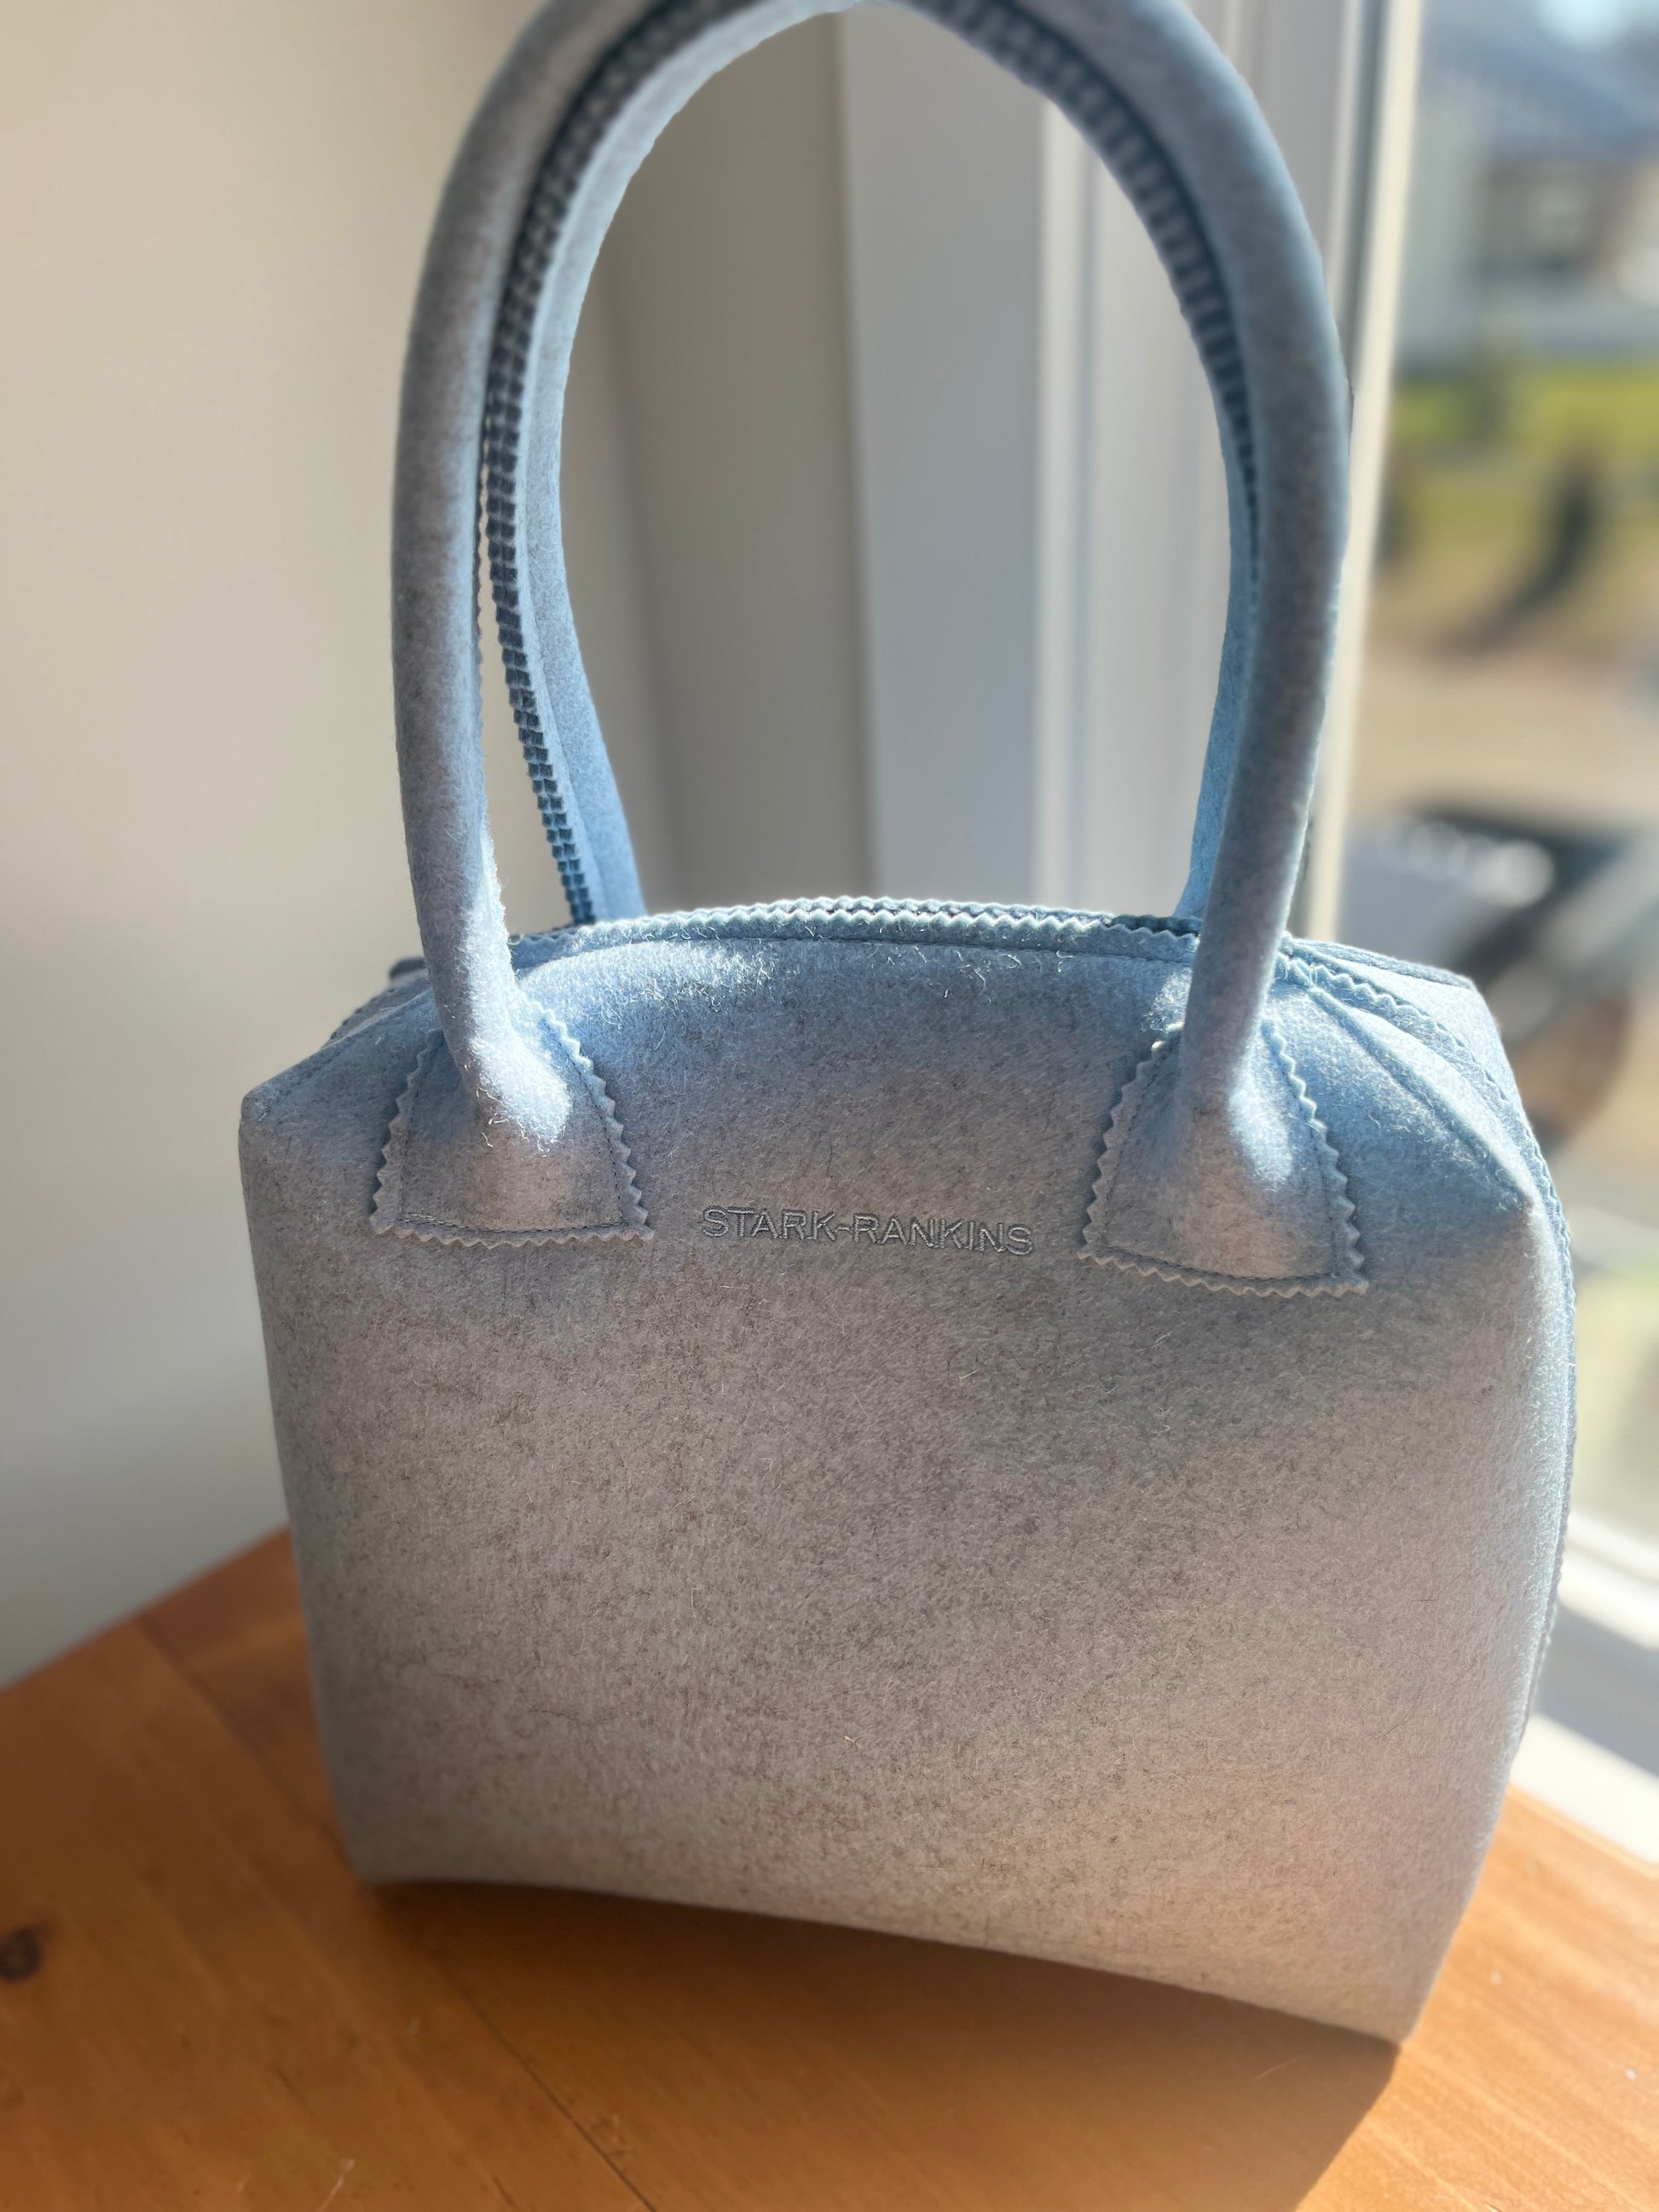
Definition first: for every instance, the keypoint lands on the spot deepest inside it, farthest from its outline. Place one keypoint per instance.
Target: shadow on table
(721, 2058)
(734, 2064)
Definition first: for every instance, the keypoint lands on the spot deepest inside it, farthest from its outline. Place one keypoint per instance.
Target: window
(1504, 817)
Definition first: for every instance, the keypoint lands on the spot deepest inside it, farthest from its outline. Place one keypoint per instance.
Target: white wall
(944, 213)
(217, 216)
(723, 278)
(214, 217)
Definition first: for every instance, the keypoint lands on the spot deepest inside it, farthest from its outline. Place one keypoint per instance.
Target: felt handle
(573, 113)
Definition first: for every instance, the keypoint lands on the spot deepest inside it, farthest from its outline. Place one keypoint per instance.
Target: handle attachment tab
(585, 93)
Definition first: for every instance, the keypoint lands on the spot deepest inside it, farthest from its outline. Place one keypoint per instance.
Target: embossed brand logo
(800, 1225)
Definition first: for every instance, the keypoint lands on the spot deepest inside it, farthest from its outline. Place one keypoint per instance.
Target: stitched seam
(624, 1181)
(386, 1211)
(1339, 1206)
(615, 78)
(1298, 1286)
(1354, 964)
(1340, 983)
(1406, 1079)
(1033, 52)
(436, 1232)
(903, 921)
(385, 1207)
(918, 921)
(1113, 1140)
(869, 920)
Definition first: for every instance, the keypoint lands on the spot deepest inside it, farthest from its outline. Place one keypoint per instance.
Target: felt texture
(443, 1177)
(1247, 1196)
(573, 113)
(1026, 1428)
(963, 1587)
(590, 159)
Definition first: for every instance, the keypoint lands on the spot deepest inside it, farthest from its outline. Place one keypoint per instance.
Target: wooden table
(200, 2006)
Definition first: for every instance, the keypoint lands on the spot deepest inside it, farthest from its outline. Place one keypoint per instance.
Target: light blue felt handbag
(1033, 1429)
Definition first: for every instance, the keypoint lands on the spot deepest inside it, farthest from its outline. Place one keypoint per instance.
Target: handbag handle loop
(569, 120)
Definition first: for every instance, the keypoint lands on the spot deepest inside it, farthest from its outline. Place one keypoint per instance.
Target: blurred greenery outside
(1474, 462)
(1619, 1397)
(1552, 713)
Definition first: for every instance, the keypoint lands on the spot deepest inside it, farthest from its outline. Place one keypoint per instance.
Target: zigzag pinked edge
(385, 1210)
(622, 1159)
(1344, 1227)
(1322, 978)
(1348, 1271)
(907, 921)
(1038, 54)
(1109, 1158)
(871, 921)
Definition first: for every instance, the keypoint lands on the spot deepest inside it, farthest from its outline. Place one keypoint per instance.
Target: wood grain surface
(200, 2006)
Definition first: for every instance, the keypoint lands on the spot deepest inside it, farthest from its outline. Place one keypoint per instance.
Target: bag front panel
(856, 1549)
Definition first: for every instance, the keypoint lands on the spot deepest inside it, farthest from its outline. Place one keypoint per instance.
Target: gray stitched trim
(868, 921)
(388, 1215)
(1353, 963)
(999, 29)
(624, 1181)
(1347, 1273)
(945, 922)
(850, 921)
(1341, 982)
(1452, 1122)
